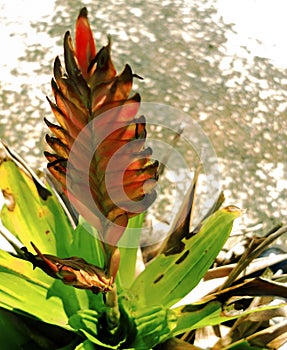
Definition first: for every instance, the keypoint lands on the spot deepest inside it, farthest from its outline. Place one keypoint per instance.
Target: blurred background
(222, 62)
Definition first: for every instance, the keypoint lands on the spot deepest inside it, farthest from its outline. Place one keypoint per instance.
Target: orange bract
(99, 155)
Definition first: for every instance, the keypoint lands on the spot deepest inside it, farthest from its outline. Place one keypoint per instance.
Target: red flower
(99, 155)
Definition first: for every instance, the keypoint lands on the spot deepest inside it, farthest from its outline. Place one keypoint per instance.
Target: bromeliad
(100, 160)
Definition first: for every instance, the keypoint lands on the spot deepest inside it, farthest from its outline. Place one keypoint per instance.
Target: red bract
(85, 44)
(99, 155)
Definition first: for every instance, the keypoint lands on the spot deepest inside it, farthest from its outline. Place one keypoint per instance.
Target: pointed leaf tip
(85, 47)
(83, 13)
(234, 209)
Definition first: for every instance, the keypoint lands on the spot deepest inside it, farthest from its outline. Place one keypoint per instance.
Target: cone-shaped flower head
(99, 155)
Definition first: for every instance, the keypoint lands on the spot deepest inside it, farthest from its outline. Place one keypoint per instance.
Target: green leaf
(86, 345)
(13, 334)
(22, 332)
(29, 216)
(32, 216)
(196, 316)
(22, 290)
(87, 321)
(86, 244)
(199, 315)
(154, 325)
(128, 261)
(170, 277)
(209, 310)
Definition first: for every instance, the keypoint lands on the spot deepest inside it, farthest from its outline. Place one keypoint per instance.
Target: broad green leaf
(42, 220)
(23, 290)
(86, 245)
(88, 345)
(128, 261)
(208, 311)
(30, 217)
(72, 299)
(154, 325)
(196, 316)
(13, 334)
(22, 332)
(199, 315)
(86, 321)
(170, 277)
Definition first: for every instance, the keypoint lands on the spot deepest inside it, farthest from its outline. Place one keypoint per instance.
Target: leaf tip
(235, 210)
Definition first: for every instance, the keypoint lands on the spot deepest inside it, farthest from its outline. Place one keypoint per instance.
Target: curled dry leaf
(72, 271)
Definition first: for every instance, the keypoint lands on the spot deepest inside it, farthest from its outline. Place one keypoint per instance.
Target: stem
(113, 312)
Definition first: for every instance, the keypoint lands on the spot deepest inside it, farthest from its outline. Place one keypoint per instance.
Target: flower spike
(99, 153)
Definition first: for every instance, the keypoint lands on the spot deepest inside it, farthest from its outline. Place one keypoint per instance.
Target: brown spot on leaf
(3, 154)
(182, 258)
(158, 278)
(43, 192)
(42, 213)
(9, 199)
(194, 232)
(47, 232)
(192, 308)
(173, 246)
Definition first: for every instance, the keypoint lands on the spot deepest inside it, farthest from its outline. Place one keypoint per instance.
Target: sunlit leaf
(209, 310)
(169, 278)
(128, 261)
(43, 221)
(28, 215)
(87, 244)
(196, 316)
(23, 290)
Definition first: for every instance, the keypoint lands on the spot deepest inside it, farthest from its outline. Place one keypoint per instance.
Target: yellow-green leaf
(170, 277)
